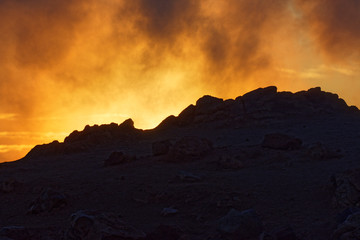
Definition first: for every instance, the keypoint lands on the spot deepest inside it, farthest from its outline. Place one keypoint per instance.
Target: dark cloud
(335, 25)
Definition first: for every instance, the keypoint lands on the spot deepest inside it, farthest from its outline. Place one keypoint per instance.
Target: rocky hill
(266, 165)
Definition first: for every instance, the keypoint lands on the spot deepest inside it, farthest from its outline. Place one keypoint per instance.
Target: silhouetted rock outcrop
(262, 103)
(258, 105)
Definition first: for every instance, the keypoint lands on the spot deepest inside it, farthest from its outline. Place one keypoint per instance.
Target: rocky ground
(267, 165)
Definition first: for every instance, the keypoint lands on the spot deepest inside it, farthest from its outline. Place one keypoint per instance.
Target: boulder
(117, 158)
(47, 201)
(236, 225)
(189, 148)
(281, 141)
(94, 225)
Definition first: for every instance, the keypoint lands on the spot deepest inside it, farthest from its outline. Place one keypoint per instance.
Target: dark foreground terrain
(267, 165)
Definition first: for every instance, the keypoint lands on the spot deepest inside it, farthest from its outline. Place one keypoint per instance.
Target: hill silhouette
(266, 165)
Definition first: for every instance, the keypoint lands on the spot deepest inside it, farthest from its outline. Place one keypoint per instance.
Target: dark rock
(281, 142)
(88, 225)
(208, 104)
(259, 93)
(347, 188)
(240, 224)
(341, 217)
(117, 158)
(189, 148)
(349, 229)
(169, 211)
(47, 201)
(165, 232)
(161, 147)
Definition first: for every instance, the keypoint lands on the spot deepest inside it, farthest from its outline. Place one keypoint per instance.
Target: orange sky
(65, 64)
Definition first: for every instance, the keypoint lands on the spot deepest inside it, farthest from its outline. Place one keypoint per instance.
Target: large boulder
(94, 225)
(236, 225)
(189, 148)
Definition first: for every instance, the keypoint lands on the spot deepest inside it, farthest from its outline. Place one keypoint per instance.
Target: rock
(189, 148)
(47, 201)
(161, 147)
(208, 104)
(320, 152)
(188, 177)
(341, 217)
(93, 225)
(349, 229)
(347, 188)
(169, 211)
(240, 224)
(165, 232)
(281, 142)
(117, 158)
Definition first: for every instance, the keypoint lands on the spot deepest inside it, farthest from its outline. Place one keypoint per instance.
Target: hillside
(266, 165)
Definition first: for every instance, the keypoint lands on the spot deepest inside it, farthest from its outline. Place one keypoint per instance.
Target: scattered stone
(347, 188)
(161, 147)
(93, 225)
(47, 201)
(169, 211)
(320, 152)
(188, 177)
(281, 142)
(189, 148)
(117, 158)
(240, 224)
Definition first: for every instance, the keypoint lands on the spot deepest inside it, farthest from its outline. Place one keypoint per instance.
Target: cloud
(335, 26)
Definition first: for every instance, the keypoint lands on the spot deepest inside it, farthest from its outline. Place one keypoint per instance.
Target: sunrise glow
(66, 64)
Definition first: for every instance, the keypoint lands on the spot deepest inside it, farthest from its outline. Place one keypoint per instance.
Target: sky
(66, 64)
